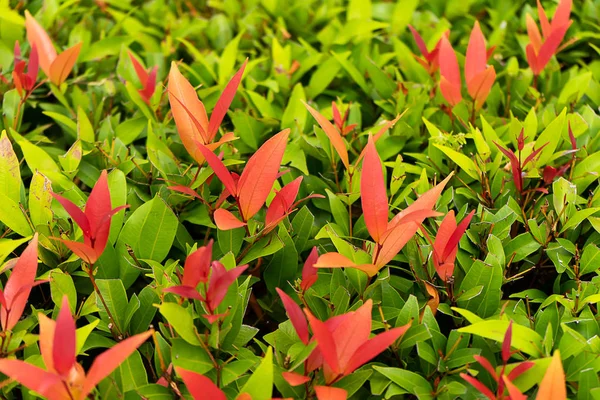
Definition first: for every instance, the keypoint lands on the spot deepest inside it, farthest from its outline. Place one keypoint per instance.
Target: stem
(18, 113)
(99, 294)
(349, 203)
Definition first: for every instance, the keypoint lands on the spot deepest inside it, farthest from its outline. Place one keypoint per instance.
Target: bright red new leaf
(19, 284)
(373, 193)
(445, 246)
(296, 315)
(200, 387)
(94, 221)
(450, 82)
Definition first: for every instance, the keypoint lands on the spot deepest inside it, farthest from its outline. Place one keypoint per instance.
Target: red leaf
(457, 235)
(552, 386)
(220, 281)
(550, 47)
(19, 285)
(337, 118)
(330, 393)
(197, 266)
(185, 190)
(374, 193)
(479, 87)
(260, 173)
(63, 64)
(514, 164)
(533, 154)
(309, 272)
(475, 61)
(294, 379)
(185, 106)
(32, 67)
(352, 332)
(336, 260)
(200, 387)
(297, 318)
(419, 41)
(36, 35)
(283, 201)
(506, 343)
(487, 365)
(83, 251)
(34, 378)
(75, 212)
(450, 82)
(325, 341)
(562, 14)
(520, 369)
(187, 292)
(106, 362)
(150, 86)
(225, 220)
(479, 386)
(97, 207)
(546, 29)
(63, 347)
(224, 102)
(334, 136)
(218, 168)
(374, 347)
(140, 71)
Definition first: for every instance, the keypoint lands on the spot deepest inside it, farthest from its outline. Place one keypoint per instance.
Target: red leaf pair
(478, 75)
(340, 122)
(147, 79)
(198, 269)
(94, 221)
(16, 291)
(309, 272)
(63, 377)
(344, 342)
(57, 67)
(190, 115)
(390, 237)
(431, 61)
(254, 185)
(515, 162)
(446, 242)
(25, 82)
(543, 46)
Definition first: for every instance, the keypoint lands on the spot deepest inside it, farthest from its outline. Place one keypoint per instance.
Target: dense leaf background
(530, 254)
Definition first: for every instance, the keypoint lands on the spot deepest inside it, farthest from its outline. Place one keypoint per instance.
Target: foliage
(257, 199)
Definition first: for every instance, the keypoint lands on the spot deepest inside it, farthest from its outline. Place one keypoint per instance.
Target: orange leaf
(224, 102)
(294, 379)
(336, 260)
(475, 61)
(260, 173)
(373, 193)
(333, 135)
(225, 220)
(106, 362)
(552, 386)
(325, 340)
(373, 347)
(450, 92)
(384, 127)
(534, 33)
(63, 64)
(434, 301)
(330, 393)
(36, 35)
(180, 89)
(46, 341)
(513, 391)
(295, 314)
(83, 251)
(18, 286)
(550, 46)
(479, 87)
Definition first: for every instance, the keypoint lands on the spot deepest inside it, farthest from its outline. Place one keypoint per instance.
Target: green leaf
(260, 384)
(408, 380)
(552, 136)
(61, 284)
(190, 357)
(490, 278)
(590, 260)
(40, 200)
(12, 216)
(10, 174)
(284, 264)
(7, 246)
(264, 247)
(113, 293)
(132, 372)
(228, 59)
(295, 113)
(524, 339)
(579, 216)
(181, 320)
(141, 320)
(464, 162)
